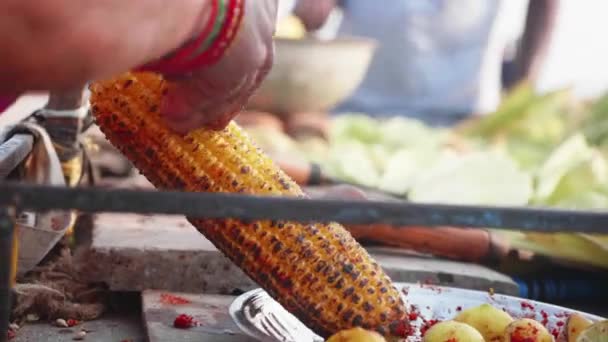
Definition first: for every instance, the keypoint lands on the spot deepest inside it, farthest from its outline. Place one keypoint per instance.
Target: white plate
(261, 317)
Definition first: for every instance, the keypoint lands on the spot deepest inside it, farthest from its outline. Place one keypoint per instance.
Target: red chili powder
(184, 322)
(169, 299)
(519, 336)
(72, 322)
(428, 325)
(403, 329)
(526, 305)
(545, 320)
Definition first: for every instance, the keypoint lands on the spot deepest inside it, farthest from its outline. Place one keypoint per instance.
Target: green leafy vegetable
(573, 168)
(476, 179)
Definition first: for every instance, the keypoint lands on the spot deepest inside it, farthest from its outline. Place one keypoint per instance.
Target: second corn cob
(316, 271)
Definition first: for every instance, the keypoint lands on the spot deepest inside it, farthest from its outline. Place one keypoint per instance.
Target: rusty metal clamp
(40, 147)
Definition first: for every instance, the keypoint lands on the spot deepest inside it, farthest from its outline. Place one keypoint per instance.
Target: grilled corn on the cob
(316, 271)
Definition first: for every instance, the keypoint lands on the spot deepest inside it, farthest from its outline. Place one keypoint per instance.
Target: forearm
(540, 23)
(56, 44)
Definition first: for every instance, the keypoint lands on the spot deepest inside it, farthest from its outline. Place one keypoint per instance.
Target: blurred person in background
(440, 60)
(58, 45)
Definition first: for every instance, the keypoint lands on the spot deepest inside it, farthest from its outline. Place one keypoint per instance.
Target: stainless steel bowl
(311, 75)
(262, 318)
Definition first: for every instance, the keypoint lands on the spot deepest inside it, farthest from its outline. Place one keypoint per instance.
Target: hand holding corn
(212, 93)
(316, 271)
(215, 52)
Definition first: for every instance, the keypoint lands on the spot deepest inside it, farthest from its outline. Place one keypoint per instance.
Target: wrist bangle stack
(209, 46)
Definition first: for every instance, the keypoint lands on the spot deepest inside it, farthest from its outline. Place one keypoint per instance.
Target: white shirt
(436, 57)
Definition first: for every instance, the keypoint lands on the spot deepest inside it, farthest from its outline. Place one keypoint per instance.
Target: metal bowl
(311, 75)
(262, 318)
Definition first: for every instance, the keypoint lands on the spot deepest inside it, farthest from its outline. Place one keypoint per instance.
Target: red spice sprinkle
(413, 316)
(560, 324)
(519, 335)
(72, 322)
(555, 333)
(545, 320)
(526, 305)
(515, 338)
(428, 325)
(169, 299)
(403, 329)
(184, 322)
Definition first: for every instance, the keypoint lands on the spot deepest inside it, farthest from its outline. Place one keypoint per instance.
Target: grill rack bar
(249, 207)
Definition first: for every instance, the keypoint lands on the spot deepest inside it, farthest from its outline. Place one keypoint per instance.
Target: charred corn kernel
(316, 271)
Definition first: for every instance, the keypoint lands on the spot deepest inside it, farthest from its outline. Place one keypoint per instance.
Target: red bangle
(171, 63)
(185, 60)
(232, 24)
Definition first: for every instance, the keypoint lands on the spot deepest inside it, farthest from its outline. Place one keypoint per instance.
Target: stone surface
(115, 328)
(209, 311)
(132, 253)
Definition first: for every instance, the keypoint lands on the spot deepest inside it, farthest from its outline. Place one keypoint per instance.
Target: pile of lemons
(486, 323)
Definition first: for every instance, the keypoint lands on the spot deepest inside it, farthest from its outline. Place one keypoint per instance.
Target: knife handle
(305, 174)
(474, 245)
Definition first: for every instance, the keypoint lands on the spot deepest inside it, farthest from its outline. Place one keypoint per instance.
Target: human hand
(213, 95)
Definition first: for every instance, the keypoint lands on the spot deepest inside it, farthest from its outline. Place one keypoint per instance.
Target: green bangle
(217, 27)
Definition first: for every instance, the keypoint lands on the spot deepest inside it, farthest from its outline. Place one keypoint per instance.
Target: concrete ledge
(133, 253)
(209, 311)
